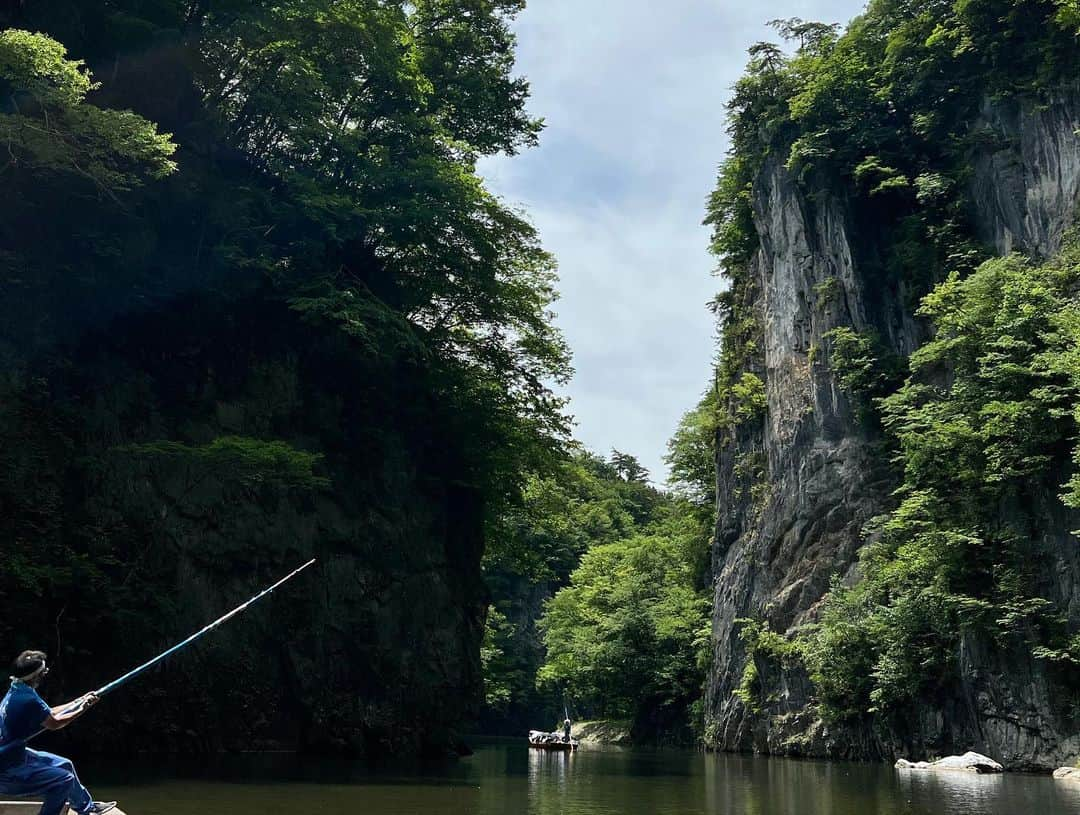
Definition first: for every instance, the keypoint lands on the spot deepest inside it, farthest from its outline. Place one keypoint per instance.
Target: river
(505, 779)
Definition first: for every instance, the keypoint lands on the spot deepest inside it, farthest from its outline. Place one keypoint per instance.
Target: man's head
(29, 667)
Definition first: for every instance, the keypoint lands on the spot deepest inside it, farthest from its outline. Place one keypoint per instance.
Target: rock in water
(969, 762)
(1067, 774)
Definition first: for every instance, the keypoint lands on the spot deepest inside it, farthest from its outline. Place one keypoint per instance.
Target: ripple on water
(504, 778)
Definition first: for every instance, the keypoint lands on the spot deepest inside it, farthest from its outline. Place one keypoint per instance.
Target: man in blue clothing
(26, 773)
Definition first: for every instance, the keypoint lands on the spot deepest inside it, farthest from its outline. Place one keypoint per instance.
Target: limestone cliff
(114, 467)
(825, 473)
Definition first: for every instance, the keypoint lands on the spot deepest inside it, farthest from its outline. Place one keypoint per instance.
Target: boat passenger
(26, 773)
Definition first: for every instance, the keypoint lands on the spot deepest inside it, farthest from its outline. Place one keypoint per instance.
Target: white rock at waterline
(969, 762)
(1067, 774)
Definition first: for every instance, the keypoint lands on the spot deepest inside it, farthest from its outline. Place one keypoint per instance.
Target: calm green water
(512, 779)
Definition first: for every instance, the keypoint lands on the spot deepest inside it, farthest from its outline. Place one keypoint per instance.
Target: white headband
(32, 675)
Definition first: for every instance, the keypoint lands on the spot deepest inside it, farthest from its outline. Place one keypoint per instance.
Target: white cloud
(633, 93)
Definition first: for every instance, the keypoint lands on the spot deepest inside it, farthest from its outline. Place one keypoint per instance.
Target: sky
(633, 95)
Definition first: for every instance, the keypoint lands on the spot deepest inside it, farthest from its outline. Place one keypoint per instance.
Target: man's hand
(63, 715)
(83, 704)
(88, 701)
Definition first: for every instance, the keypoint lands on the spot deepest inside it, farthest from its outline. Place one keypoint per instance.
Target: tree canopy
(47, 126)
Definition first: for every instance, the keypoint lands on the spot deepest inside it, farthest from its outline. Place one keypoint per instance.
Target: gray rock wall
(1026, 173)
(373, 651)
(826, 474)
(774, 561)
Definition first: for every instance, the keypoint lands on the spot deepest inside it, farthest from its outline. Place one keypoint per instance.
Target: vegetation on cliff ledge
(981, 421)
(985, 453)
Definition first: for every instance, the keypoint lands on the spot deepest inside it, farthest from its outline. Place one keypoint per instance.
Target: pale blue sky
(633, 92)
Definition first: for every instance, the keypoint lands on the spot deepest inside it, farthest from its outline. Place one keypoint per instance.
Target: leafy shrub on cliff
(986, 426)
(748, 400)
(691, 453)
(245, 461)
(863, 366)
(765, 650)
(853, 359)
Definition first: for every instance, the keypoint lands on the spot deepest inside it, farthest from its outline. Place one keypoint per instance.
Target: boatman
(26, 773)
(566, 730)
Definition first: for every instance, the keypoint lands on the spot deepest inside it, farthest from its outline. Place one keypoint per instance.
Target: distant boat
(550, 741)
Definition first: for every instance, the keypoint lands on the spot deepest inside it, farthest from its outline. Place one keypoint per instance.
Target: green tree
(691, 454)
(47, 126)
(503, 677)
(629, 468)
(626, 636)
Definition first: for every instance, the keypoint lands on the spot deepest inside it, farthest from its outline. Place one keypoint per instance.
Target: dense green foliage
(585, 502)
(983, 454)
(598, 606)
(863, 366)
(245, 461)
(47, 126)
(627, 637)
(256, 302)
(691, 455)
(981, 420)
(624, 633)
(765, 650)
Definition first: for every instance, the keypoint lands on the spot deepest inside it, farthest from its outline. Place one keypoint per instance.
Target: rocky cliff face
(1026, 174)
(826, 475)
(374, 650)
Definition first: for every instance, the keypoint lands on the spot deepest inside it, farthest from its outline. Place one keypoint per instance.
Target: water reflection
(513, 779)
(953, 791)
(762, 786)
(548, 769)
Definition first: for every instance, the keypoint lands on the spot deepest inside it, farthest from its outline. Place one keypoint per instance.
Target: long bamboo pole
(134, 672)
